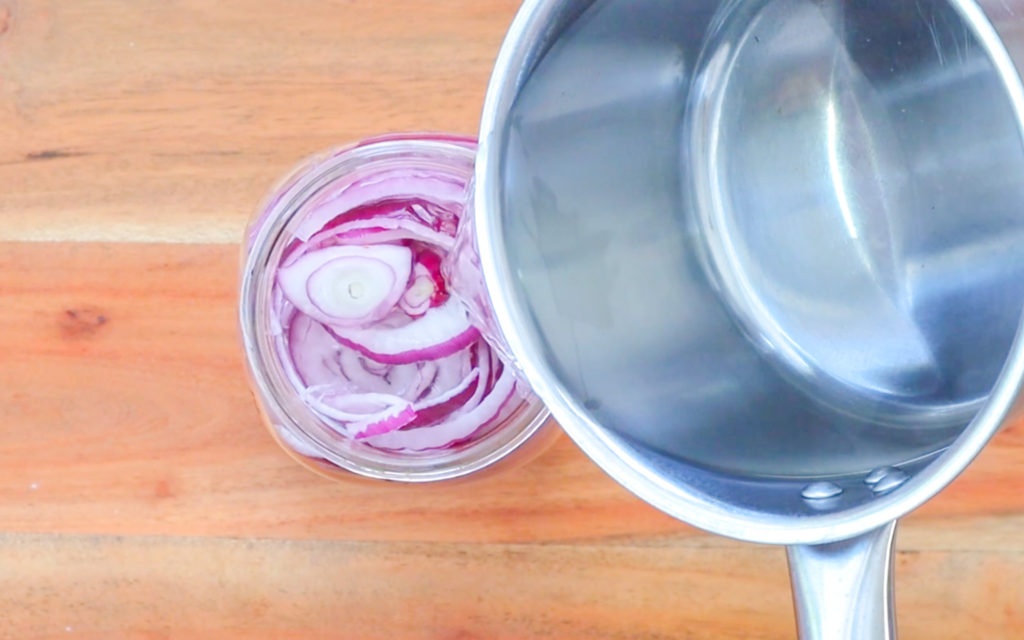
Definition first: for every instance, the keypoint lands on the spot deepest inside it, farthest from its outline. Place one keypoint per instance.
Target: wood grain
(157, 588)
(140, 496)
(167, 121)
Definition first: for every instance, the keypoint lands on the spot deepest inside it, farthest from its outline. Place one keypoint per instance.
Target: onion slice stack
(370, 336)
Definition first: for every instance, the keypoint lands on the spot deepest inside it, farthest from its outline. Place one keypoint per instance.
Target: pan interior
(778, 240)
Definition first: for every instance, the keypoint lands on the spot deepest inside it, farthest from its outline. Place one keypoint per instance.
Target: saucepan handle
(844, 590)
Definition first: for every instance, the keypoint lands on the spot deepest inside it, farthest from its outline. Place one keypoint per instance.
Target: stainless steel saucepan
(764, 259)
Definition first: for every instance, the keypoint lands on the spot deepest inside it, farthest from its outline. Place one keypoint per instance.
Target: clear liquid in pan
(778, 239)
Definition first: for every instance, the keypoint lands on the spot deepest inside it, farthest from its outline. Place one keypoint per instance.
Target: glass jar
(291, 357)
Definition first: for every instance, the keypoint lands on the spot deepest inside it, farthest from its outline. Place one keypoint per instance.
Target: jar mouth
(293, 423)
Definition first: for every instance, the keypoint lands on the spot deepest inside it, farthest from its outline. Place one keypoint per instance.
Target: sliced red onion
(384, 186)
(433, 215)
(483, 364)
(440, 332)
(428, 288)
(381, 231)
(395, 380)
(425, 378)
(347, 286)
(355, 407)
(368, 333)
(468, 396)
(361, 412)
(314, 353)
(454, 368)
(387, 425)
(455, 428)
(375, 367)
(431, 262)
(437, 217)
(454, 392)
(418, 297)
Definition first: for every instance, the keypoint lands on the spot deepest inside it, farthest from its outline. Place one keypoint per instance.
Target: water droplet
(877, 475)
(820, 491)
(893, 479)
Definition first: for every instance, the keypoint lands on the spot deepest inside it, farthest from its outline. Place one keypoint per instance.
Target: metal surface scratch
(935, 36)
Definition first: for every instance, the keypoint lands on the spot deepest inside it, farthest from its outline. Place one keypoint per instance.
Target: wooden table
(139, 495)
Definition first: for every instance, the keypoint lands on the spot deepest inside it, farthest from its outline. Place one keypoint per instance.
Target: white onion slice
(347, 286)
